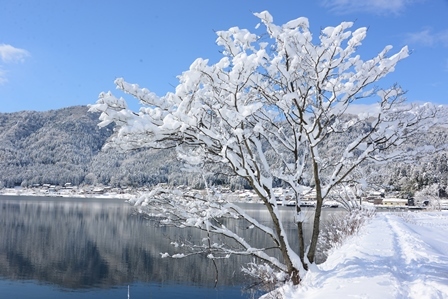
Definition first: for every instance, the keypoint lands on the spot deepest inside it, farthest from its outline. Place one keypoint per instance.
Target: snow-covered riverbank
(71, 193)
(394, 256)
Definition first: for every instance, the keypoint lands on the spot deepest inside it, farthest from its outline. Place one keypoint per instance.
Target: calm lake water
(96, 248)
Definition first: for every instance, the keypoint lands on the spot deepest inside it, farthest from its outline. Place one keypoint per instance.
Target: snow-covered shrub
(267, 279)
(407, 217)
(341, 226)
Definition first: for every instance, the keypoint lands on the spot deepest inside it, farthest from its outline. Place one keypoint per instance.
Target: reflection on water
(80, 244)
(85, 243)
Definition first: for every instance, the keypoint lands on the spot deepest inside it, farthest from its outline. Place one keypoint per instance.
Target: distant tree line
(66, 146)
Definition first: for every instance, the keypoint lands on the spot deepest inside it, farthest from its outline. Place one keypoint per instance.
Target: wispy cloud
(10, 54)
(369, 6)
(427, 37)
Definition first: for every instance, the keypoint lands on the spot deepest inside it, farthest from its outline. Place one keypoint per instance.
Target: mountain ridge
(67, 146)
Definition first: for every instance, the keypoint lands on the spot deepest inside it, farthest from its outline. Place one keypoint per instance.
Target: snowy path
(390, 258)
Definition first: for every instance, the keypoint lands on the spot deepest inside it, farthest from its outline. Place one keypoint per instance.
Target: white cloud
(370, 6)
(428, 38)
(10, 54)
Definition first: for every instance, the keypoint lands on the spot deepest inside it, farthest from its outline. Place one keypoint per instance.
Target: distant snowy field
(396, 255)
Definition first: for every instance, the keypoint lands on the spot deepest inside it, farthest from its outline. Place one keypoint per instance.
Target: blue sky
(55, 54)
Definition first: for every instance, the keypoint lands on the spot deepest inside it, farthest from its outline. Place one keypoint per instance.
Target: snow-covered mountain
(66, 146)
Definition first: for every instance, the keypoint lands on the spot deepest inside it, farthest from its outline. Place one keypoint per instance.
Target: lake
(100, 248)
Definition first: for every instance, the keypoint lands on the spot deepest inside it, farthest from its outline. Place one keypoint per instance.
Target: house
(98, 190)
(310, 195)
(376, 200)
(396, 202)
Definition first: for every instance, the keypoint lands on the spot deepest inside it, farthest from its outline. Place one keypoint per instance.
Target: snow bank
(394, 256)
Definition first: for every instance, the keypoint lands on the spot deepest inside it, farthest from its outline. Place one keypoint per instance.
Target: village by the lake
(377, 199)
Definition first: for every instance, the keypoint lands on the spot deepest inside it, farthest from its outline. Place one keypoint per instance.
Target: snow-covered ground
(71, 193)
(393, 256)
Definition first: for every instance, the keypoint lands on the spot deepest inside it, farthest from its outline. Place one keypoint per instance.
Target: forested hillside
(66, 146)
(48, 147)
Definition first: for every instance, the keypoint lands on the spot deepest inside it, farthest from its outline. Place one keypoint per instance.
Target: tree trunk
(316, 224)
(300, 236)
(293, 272)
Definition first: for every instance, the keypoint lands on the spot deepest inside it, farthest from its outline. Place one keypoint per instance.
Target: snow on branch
(172, 207)
(273, 108)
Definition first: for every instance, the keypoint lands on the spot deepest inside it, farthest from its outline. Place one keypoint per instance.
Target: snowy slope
(394, 256)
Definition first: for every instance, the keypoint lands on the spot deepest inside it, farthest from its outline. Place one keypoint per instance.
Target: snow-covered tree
(429, 196)
(271, 109)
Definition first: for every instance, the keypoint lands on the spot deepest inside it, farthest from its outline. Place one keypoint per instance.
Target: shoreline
(104, 196)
